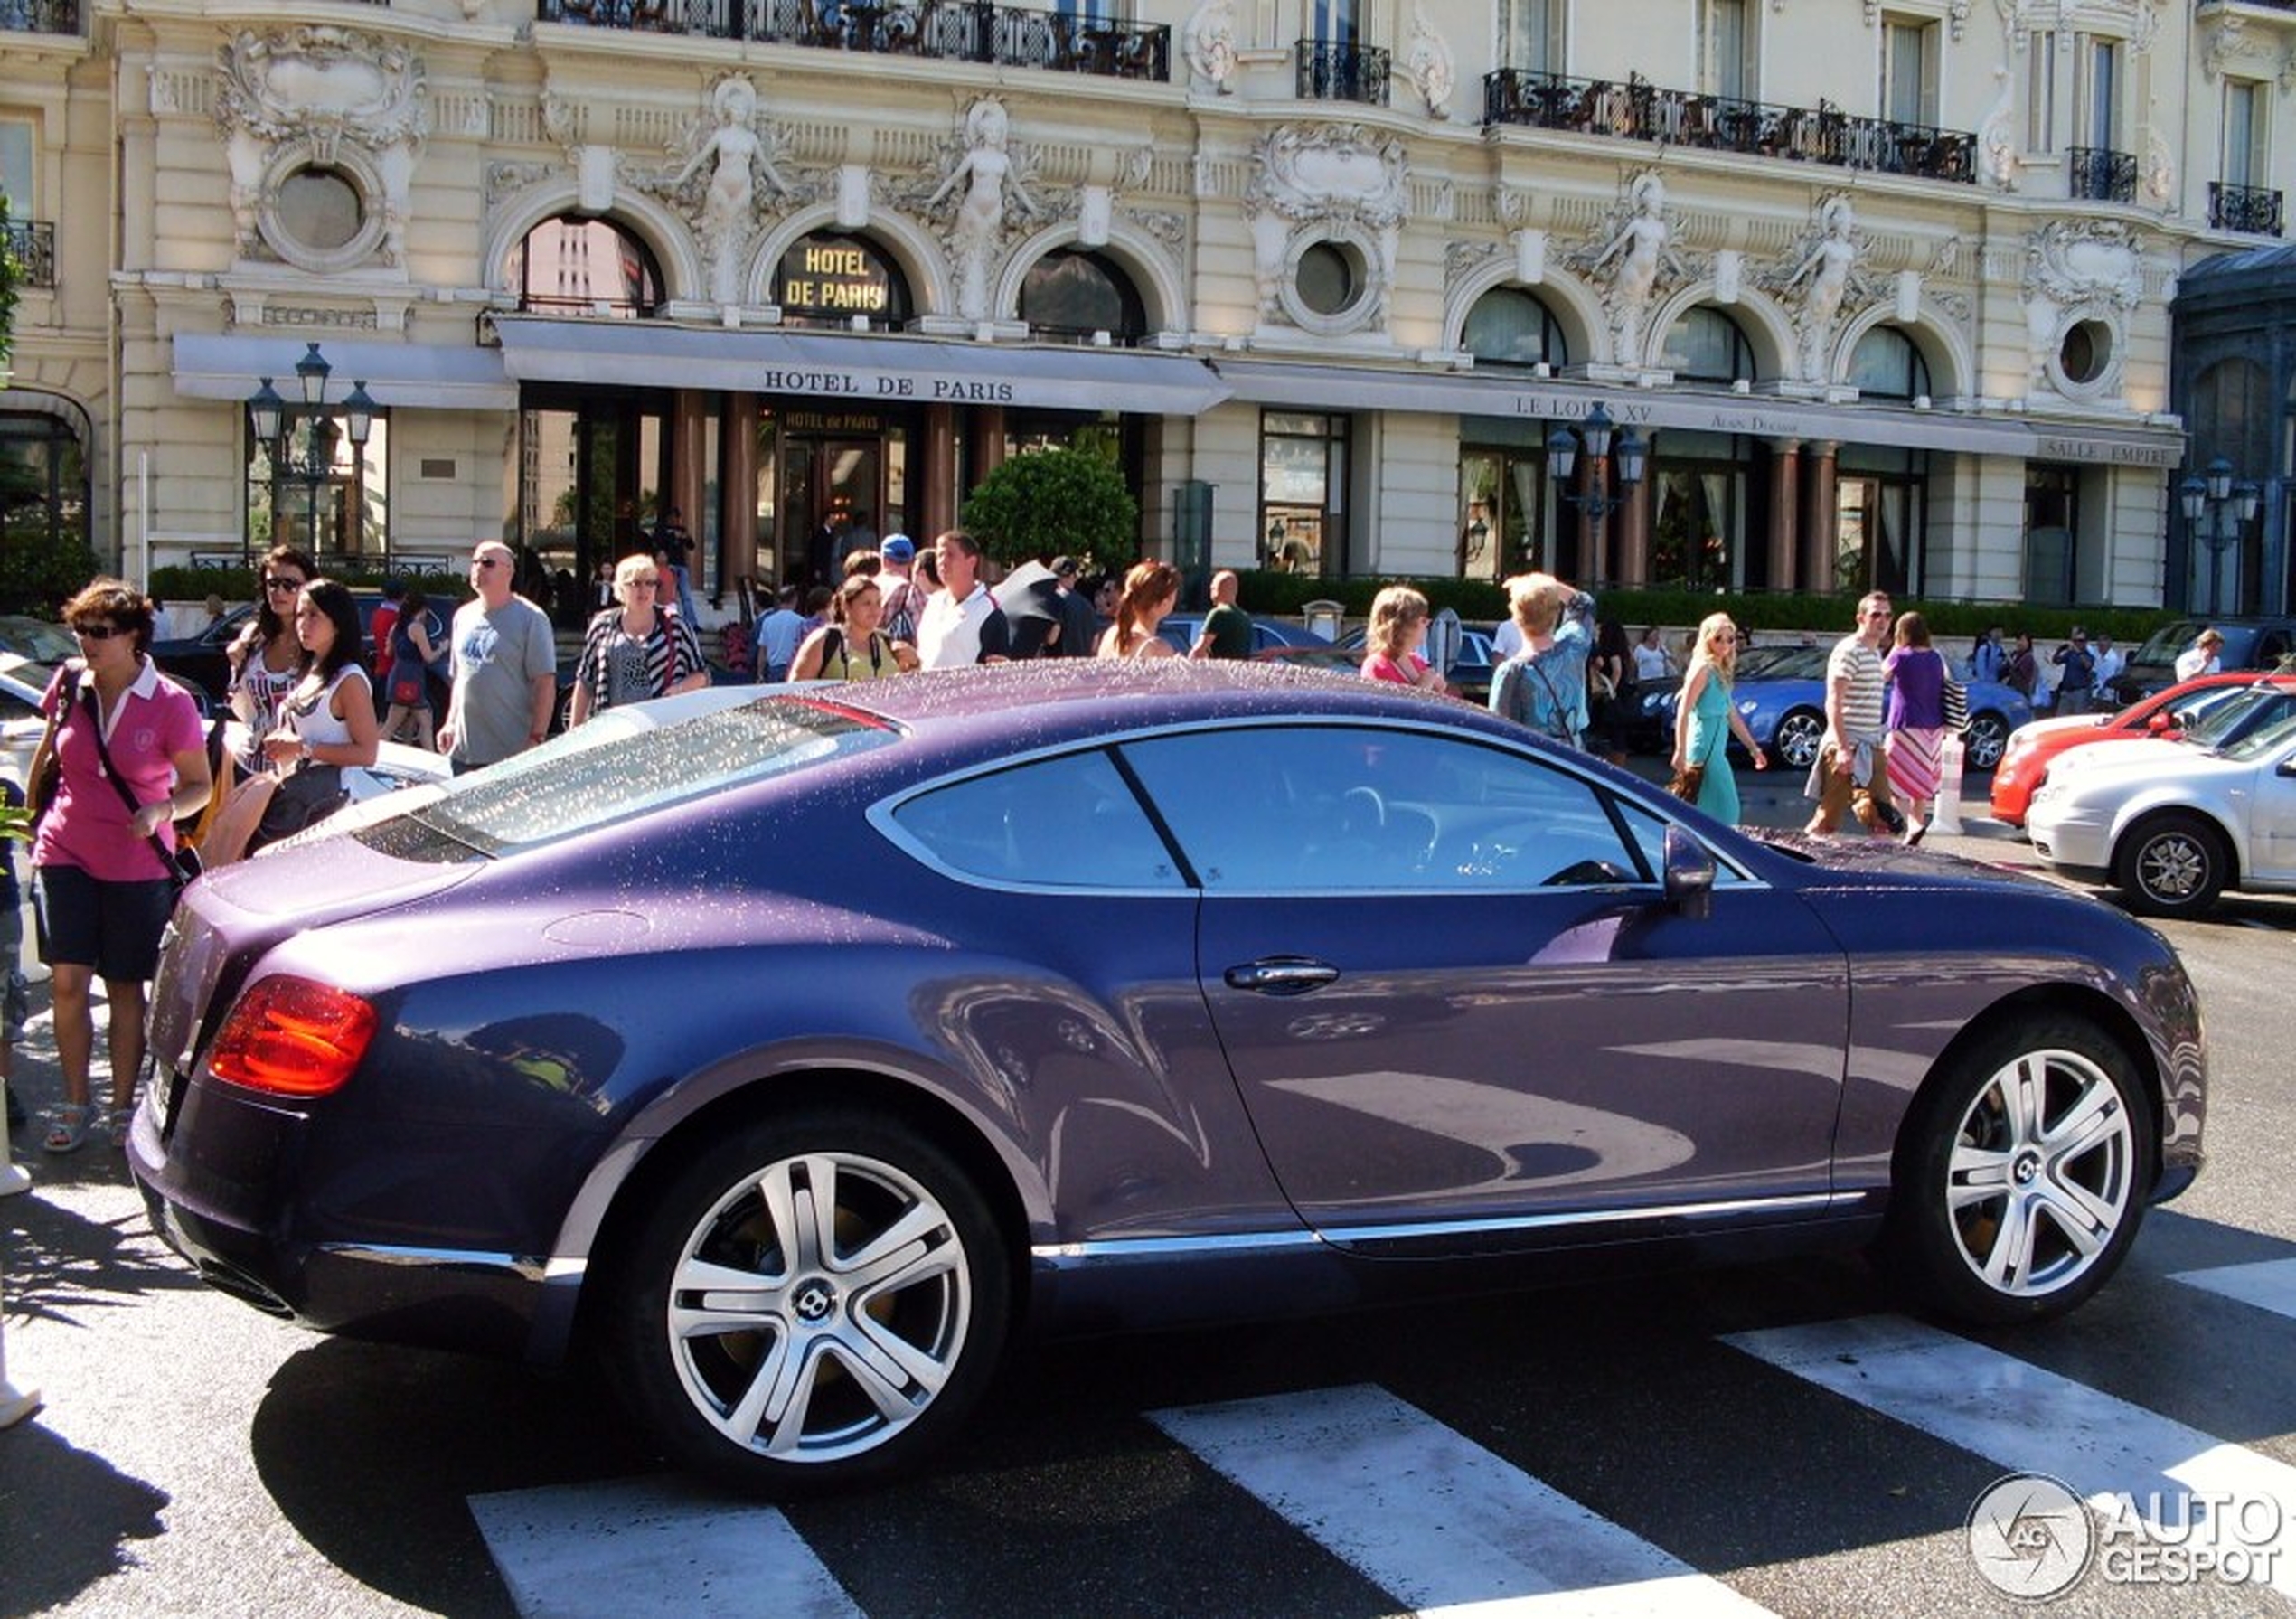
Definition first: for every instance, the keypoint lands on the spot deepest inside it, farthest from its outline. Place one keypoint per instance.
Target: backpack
(901, 608)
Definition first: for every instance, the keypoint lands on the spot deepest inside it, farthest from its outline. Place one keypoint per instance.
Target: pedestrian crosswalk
(1441, 1524)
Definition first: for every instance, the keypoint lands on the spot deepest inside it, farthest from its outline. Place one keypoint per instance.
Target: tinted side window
(1068, 822)
(1345, 809)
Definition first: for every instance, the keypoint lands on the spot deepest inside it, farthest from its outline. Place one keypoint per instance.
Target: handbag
(1687, 782)
(1956, 705)
(305, 797)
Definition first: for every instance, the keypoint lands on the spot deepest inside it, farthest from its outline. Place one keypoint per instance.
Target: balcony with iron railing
(947, 30)
(32, 243)
(1638, 109)
(2093, 175)
(1332, 71)
(2249, 208)
(38, 16)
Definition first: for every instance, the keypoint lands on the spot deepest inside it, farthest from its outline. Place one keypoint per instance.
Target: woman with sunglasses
(121, 734)
(267, 659)
(643, 648)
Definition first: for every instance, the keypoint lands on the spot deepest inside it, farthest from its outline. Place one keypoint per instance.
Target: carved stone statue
(1639, 253)
(1997, 138)
(738, 157)
(1822, 278)
(1426, 62)
(1210, 43)
(990, 177)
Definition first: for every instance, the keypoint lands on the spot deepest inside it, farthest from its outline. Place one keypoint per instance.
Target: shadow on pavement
(69, 1516)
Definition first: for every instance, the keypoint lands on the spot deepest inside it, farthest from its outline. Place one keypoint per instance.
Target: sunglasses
(96, 632)
(650, 582)
(485, 561)
(282, 583)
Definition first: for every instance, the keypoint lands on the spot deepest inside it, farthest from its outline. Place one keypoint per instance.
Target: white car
(2172, 825)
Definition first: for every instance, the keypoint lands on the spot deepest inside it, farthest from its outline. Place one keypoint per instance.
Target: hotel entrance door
(839, 489)
(592, 467)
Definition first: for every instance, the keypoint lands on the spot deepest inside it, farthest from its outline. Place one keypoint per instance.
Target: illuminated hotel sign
(824, 275)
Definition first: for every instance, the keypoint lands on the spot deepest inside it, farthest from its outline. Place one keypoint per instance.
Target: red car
(2165, 714)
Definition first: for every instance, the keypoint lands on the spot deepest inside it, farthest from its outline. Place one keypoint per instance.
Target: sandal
(69, 1134)
(121, 1121)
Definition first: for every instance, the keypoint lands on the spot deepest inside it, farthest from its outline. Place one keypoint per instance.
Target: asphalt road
(1770, 1437)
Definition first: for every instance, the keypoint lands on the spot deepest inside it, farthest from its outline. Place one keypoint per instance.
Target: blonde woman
(1705, 716)
(1151, 589)
(1391, 640)
(850, 647)
(639, 650)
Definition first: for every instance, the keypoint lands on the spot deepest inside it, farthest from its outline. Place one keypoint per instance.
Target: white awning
(1374, 388)
(875, 368)
(402, 375)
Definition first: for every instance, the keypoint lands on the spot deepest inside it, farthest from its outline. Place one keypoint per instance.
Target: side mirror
(2161, 723)
(1688, 878)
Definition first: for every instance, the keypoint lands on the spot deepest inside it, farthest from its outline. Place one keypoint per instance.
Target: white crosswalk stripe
(2269, 1284)
(641, 1548)
(1434, 1519)
(2028, 1419)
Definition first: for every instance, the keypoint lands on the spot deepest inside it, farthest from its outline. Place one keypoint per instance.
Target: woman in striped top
(638, 650)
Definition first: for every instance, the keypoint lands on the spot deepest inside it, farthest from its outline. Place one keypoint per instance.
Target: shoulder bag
(183, 861)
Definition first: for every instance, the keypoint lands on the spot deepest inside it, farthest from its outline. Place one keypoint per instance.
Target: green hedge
(235, 585)
(1285, 595)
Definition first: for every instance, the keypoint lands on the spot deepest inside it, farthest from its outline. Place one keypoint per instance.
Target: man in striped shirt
(1851, 772)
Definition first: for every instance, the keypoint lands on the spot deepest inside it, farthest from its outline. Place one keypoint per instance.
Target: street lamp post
(2210, 496)
(269, 418)
(1597, 501)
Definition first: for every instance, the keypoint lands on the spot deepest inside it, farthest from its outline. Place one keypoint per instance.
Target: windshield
(578, 783)
(2247, 710)
(2163, 645)
(2264, 739)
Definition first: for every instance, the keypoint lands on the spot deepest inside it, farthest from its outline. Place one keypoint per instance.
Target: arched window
(1888, 365)
(43, 482)
(1707, 346)
(1071, 293)
(584, 266)
(833, 279)
(1508, 326)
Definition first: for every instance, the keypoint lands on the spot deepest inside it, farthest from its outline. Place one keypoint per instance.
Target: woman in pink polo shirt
(105, 888)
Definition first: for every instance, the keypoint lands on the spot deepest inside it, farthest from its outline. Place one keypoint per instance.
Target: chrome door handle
(1281, 975)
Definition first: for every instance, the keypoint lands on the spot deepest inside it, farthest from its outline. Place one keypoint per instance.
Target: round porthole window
(2085, 356)
(321, 209)
(321, 216)
(1330, 285)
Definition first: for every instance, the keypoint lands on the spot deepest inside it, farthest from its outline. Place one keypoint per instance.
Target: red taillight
(293, 1037)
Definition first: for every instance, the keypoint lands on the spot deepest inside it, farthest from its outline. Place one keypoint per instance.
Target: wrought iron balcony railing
(1638, 109)
(951, 30)
(1336, 73)
(2249, 208)
(38, 16)
(32, 243)
(2093, 175)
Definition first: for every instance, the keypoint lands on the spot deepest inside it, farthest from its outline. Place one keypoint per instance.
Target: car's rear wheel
(1983, 740)
(815, 1301)
(2172, 865)
(2021, 1173)
(1799, 737)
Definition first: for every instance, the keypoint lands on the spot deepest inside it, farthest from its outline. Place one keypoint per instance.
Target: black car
(2259, 644)
(200, 660)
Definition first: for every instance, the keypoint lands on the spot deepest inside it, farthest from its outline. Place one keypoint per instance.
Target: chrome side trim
(1157, 1247)
(525, 1268)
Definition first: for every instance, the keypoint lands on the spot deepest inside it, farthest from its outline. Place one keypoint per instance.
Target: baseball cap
(896, 548)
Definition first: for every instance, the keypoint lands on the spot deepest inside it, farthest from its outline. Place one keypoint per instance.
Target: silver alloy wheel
(2042, 1173)
(1984, 741)
(1800, 735)
(2171, 867)
(819, 1307)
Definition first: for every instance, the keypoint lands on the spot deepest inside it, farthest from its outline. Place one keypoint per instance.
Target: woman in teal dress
(1705, 716)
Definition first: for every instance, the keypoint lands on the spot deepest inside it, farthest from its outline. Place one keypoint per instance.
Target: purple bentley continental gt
(792, 1055)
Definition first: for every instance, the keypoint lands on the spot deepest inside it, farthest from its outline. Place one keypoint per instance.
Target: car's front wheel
(2021, 1174)
(2172, 865)
(1984, 740)
(1799, 737)
(815, 1301)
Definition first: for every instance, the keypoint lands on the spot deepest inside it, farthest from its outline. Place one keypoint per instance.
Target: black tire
(2072, 1193)
(884, 1361)
(1799, 737)
(2172, 865)
(1984, 740)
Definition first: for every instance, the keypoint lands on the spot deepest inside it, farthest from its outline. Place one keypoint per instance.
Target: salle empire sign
(883, 385)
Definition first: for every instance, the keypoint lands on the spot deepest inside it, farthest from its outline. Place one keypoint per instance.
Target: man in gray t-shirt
(505, 668)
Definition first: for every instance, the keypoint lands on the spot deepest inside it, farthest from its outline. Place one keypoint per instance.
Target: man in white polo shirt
(962, 624)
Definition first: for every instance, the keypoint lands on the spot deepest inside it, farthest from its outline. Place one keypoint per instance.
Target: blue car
(1782, 693)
